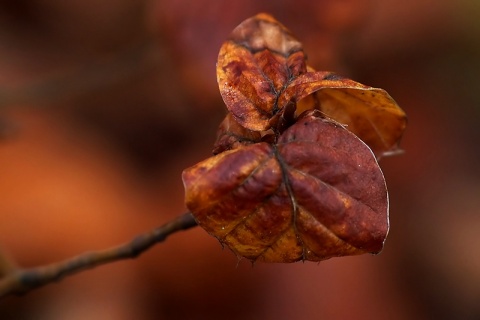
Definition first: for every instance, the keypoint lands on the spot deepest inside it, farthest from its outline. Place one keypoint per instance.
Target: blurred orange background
(104, 103)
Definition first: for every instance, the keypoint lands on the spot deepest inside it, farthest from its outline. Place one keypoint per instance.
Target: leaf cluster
(294, 174)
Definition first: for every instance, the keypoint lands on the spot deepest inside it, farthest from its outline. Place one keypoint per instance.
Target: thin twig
(20, 281)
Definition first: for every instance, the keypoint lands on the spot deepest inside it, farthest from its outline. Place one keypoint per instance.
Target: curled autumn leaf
(316, 193)
(262, 68)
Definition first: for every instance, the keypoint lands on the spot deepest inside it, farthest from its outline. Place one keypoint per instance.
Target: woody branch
(14, 280)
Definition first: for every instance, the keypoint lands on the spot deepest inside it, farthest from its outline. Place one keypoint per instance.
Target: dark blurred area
(104, 103)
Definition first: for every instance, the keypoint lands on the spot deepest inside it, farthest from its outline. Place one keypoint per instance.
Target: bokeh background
(104, 103)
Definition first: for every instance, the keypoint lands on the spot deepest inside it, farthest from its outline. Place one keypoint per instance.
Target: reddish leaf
(231, 135)
(254, 67)
(262, 68)
(368, 112)
(316, 193)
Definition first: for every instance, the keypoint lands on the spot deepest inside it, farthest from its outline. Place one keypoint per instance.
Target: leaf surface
(316, 193)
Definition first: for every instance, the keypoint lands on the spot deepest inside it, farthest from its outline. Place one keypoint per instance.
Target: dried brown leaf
(316, 193)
